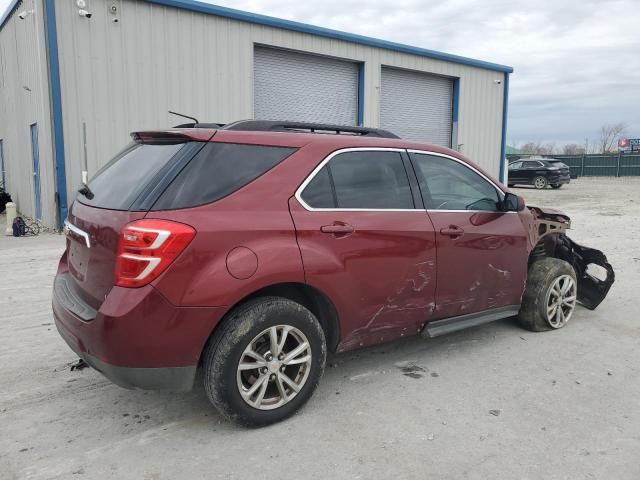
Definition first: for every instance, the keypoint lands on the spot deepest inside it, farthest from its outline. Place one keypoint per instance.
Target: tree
(573, 149)
(608, 136)
(538, 148)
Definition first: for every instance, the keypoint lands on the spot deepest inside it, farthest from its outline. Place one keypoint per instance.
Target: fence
(595, 165)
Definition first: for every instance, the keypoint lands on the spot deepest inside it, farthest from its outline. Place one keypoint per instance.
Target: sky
(576, 62)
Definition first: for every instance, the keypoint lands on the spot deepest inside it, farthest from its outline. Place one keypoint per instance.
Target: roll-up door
(302, 87)
(417, 106)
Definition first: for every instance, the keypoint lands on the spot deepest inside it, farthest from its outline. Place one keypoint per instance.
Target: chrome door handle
(452, 231)
(337, 229)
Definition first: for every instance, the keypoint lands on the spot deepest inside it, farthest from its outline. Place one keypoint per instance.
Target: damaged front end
(593, 272)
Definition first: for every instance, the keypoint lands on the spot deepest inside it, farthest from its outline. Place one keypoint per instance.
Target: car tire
(540, 183)
(545, 303)
(556, 186)
(228, 382)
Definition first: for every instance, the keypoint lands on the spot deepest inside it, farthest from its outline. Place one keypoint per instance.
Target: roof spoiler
(171, 137)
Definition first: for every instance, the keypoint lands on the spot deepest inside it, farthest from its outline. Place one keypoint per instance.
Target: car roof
(297, 139)
(294, 139)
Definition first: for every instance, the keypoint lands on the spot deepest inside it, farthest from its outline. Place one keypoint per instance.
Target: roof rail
(199, 125)
(306, 127)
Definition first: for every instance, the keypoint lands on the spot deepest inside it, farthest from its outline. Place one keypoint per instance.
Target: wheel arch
(551, 245)
(310, 297)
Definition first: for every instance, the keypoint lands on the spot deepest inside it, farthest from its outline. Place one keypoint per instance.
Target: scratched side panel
(381, 278)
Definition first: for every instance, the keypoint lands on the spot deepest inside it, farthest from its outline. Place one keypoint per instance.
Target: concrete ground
(566, 404)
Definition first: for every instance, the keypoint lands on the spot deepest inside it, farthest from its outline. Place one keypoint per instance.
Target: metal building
(77, 76)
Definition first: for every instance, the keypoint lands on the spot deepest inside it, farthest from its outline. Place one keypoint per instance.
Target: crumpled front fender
(548, 235)
(592, 289)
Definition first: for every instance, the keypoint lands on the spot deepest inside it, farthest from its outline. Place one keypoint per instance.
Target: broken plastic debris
(79, 365)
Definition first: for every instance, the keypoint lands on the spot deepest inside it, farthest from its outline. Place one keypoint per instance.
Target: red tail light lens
(147, 247)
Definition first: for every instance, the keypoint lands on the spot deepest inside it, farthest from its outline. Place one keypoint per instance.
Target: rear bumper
(559, 179)
(137, 338)
(178, 379)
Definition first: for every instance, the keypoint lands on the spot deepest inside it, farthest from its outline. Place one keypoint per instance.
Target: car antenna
(195, 120)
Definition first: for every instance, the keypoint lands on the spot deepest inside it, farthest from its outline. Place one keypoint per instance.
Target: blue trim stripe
(325, 32)
(505, 110)
(456, 100)
(8, 12)
(361, 95)
(56, 108)
(455, 104)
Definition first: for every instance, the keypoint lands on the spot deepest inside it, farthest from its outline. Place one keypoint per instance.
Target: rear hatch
(121, 192)
(562, 167)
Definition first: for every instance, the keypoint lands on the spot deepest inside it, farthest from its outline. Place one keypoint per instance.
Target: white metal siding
(24, 100)
(308, 88)
(416, 106)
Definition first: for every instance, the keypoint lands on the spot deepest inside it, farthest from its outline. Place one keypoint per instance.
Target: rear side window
(532, 164)
(319, 192)
(375, 180)
(218, 170)
(117, 185)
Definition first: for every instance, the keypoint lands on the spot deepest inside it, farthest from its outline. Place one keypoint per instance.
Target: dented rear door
(365, 244)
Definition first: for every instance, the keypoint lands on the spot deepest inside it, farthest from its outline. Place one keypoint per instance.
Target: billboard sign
(629, 145)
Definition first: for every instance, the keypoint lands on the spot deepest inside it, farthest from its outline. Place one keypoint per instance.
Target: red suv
(253, 249)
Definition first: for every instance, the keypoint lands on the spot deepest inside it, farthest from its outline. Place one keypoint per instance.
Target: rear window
(218, 170)
(117, 185)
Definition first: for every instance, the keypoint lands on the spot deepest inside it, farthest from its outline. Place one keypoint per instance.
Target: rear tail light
(147, 247)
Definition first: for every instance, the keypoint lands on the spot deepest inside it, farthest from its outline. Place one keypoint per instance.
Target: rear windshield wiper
(86, 191)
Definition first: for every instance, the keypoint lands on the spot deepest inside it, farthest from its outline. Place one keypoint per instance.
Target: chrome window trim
(327, 159)
(68, 226)
(466, 211)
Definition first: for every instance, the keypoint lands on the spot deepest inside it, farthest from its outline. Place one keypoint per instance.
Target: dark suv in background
(251, 250)
(539, 172)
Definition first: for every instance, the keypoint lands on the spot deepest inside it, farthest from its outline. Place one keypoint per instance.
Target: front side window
(373, 180)
(515, 165)
(449, 185)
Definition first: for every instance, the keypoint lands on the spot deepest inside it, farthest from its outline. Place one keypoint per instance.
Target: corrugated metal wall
(24, 100)
(125, 75)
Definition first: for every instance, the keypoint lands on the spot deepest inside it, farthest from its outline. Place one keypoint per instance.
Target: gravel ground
(490, 402)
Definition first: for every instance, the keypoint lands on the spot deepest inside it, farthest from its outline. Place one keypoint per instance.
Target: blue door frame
(35, 155)
(4, 180)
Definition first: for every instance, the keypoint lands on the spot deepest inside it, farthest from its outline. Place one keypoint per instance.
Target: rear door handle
(337, 229)
(452, 231)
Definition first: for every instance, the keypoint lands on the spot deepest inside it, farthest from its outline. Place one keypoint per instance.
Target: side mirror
(512, 203)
